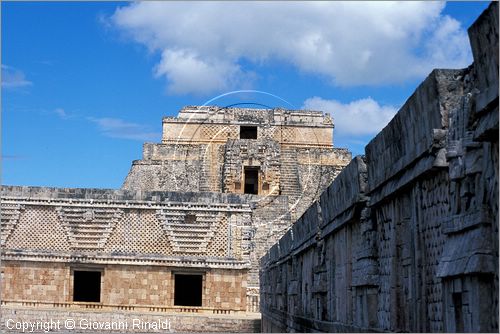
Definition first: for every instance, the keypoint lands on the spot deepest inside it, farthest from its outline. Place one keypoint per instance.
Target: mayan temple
(185, 233)
(249, 220)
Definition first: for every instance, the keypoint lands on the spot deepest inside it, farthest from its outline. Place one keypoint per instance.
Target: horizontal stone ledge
(390, 187)
(137, 260)
(112, 196)
(86, 203)
(111, 307)
(459, 223)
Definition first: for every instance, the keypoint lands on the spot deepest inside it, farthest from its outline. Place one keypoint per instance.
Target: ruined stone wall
(316, 170)
(406, 237)
(178, 167)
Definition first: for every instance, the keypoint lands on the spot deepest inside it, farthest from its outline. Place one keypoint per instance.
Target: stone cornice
(125, 204)
(140, 260)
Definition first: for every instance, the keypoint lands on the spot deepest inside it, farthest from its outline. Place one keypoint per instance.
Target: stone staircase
(88, 228)
(208, 177)
(289, 175)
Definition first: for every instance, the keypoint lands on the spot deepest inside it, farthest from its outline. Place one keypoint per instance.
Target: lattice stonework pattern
(10, 217)
(139, 232)
(88, 228)
(189, 232)
(38, 229)
(219, 243)
(286, 135)
(218, 132)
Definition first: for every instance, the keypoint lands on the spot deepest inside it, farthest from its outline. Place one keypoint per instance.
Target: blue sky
(85, 84)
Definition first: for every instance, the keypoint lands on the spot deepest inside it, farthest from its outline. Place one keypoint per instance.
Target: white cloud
(61, 113)
(350, 43)
(444, 46)
(186, 70)
(13, 78)
(357, 118)
(118, 128)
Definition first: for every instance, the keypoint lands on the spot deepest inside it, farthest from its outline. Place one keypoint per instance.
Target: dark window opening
(251, 180)
(188, 290)
(87, 286)
(248, 132)
(190, 219)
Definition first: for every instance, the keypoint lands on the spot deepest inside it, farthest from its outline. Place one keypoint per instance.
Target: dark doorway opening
(459, 319)
(248, 132)
(252, 180)
(188, 290)
(87, 286)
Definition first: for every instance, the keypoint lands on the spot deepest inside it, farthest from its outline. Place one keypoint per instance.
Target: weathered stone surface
(201, 151)
(405, 239)
(418, 127)
(124, 321)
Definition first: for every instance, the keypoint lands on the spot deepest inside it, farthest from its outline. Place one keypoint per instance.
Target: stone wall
(406, 237)
(212, 124)
(123, 286)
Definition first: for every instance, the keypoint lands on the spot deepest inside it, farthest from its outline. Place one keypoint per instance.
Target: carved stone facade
(137, 241)
(406, 237)
(213, 149)
(210, 149)
(186, 231)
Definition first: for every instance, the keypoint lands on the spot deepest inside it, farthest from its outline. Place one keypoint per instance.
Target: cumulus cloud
(357, 118)
(186, 70)
(203, 45)
(118, 128)
(13, 78)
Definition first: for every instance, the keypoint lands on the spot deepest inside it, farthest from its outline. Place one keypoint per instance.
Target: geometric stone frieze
(188, 233)
(9, 218)
(88, 228)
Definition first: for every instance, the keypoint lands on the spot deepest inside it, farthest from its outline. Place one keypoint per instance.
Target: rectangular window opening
(86, 286)
(252, 180)
(457, 305)
(248, 132)
(188, 289)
